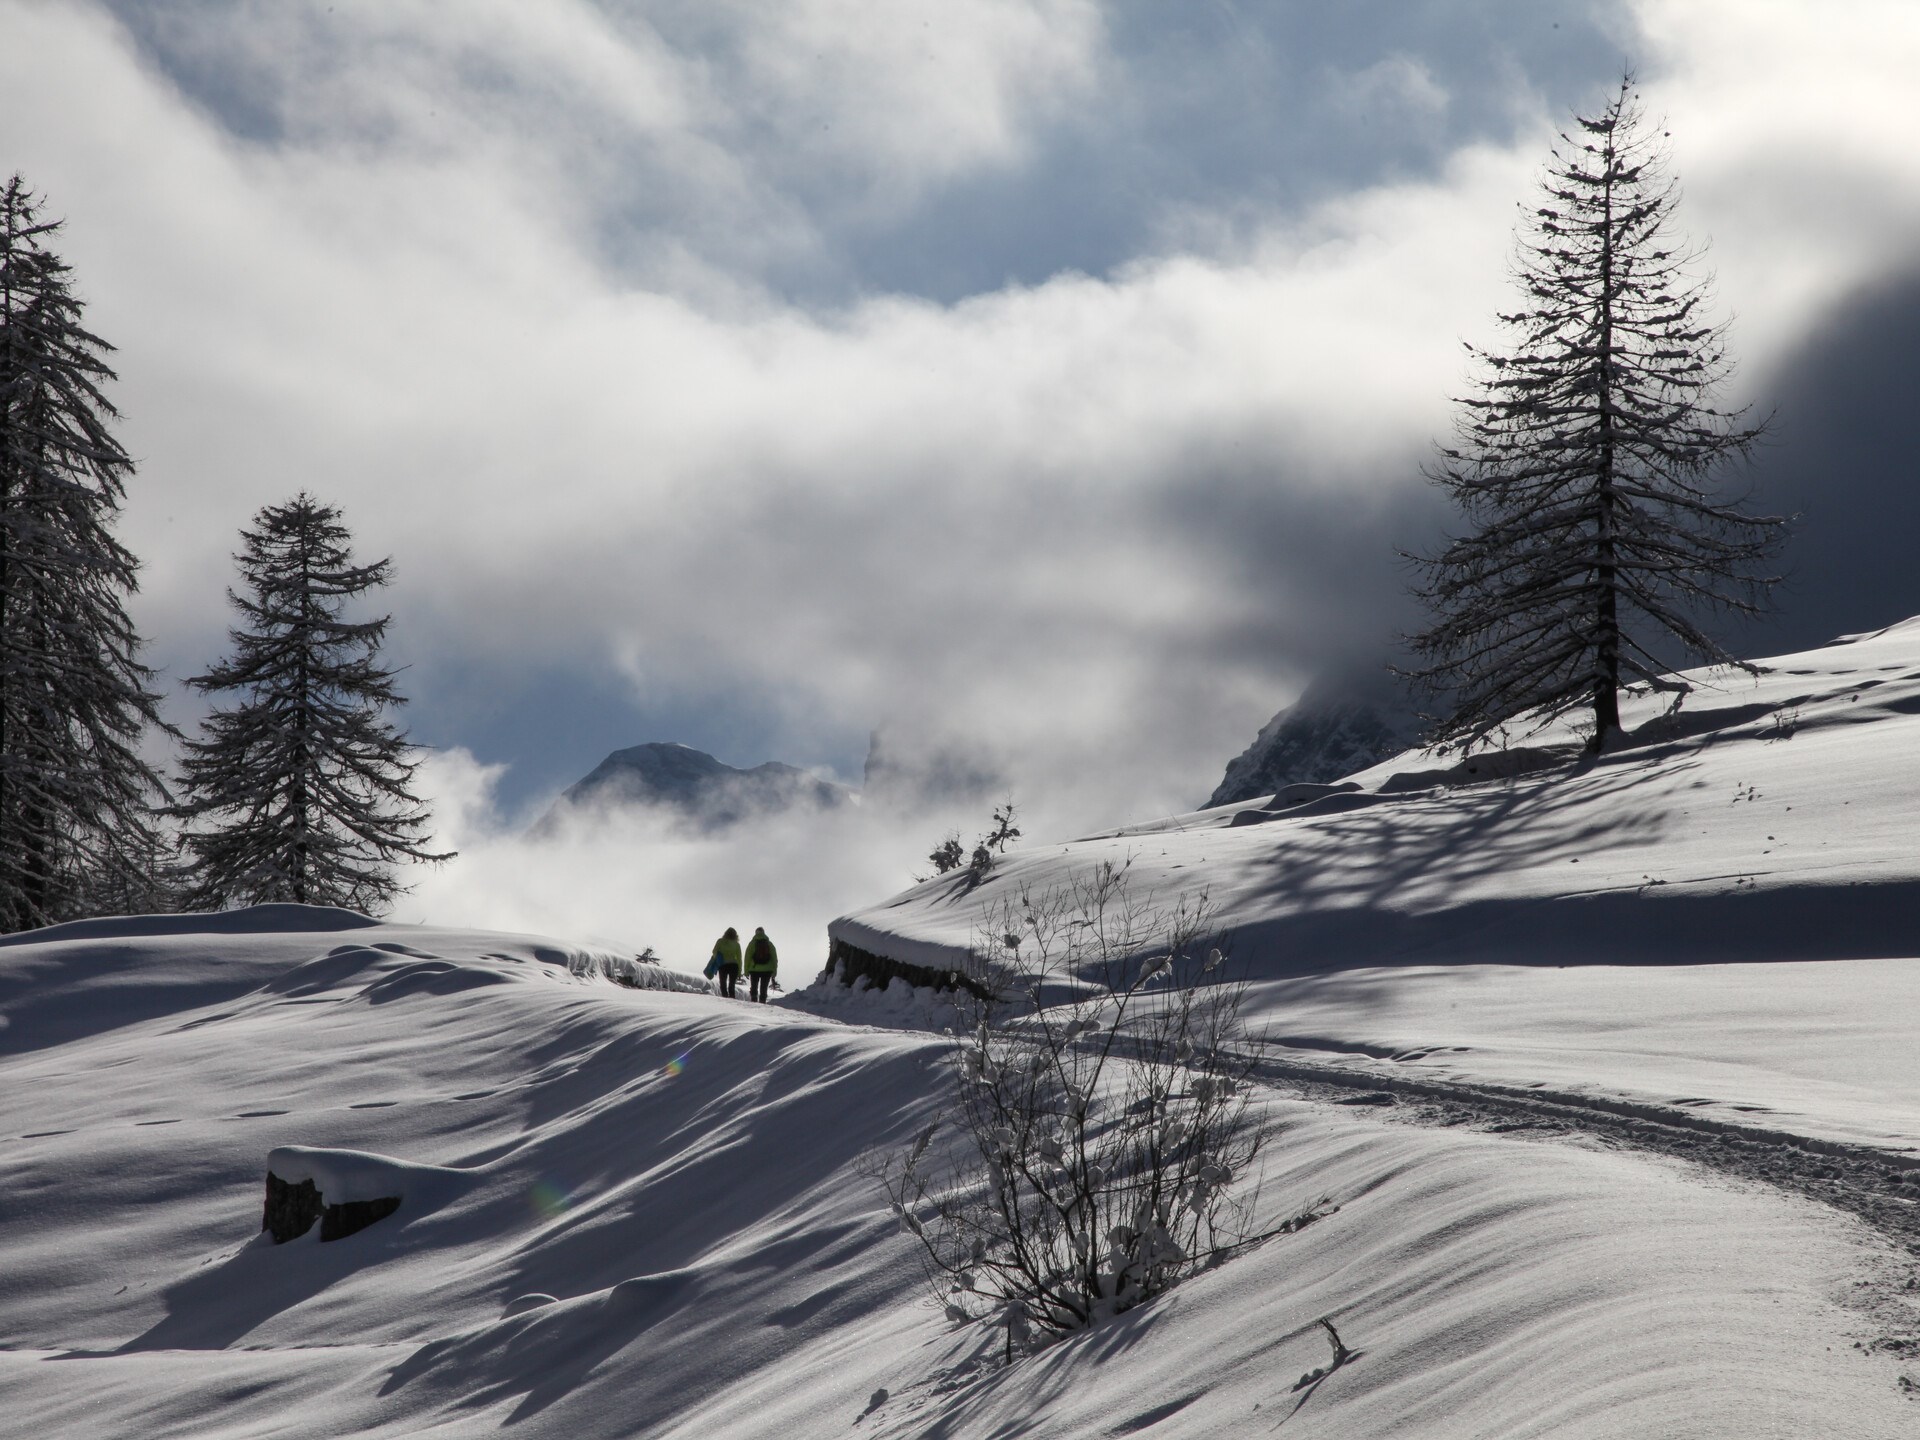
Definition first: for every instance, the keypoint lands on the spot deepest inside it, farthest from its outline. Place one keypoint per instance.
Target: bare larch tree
(1590, 463)
(300, 791)
(76, 796)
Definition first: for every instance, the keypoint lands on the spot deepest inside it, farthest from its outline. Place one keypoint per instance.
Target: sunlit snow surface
(649, 1213)
(1737, 906)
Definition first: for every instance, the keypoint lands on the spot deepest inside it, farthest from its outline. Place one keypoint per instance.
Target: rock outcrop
(1335, 728)
(345, 1190)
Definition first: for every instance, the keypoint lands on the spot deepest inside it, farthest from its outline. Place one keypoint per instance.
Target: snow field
(1735, 896)
(1493, 1287)
(686, 1177)
(1823, 1049)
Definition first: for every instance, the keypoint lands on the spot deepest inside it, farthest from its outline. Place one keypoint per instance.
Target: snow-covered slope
(676, 1172)
(1765, 823)
(651, 1213)
(684, 1177)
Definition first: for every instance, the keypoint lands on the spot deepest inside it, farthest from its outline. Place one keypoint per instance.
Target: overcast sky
(1052, 377)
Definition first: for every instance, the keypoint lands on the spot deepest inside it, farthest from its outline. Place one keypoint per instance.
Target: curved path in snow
(1877, 1186)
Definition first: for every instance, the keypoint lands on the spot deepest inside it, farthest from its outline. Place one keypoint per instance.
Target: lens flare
(550, 1198)
(677, 1064)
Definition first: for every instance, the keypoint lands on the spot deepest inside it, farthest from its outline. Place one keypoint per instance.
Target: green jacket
(762, 958)
(726, 954)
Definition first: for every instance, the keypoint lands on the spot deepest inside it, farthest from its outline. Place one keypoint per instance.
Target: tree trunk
(1606, 689)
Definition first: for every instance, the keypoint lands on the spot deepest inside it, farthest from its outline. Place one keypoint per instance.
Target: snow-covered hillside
(1765, 825)
(1640, 1195)
(683, 1176)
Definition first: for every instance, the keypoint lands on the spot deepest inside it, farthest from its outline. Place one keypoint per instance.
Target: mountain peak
(1340, 725)
(668, 774)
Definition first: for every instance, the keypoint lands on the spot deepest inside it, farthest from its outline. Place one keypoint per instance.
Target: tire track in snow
(1881, 1187)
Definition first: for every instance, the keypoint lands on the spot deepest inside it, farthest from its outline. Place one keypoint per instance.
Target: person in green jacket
(762, 962)
(725, 962)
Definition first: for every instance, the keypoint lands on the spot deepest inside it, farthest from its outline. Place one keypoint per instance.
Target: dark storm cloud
(1179, 125)
(1319, 563)
(630, 332)
(1841, 457)
(1211, 118)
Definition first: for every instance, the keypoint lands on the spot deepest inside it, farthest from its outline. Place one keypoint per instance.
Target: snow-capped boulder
(345, 1190)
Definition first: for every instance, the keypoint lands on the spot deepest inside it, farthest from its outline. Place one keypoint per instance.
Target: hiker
(725, 962)
(762, 961)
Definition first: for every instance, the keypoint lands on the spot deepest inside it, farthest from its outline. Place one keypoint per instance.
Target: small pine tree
(76, 797)
(949, 855)
(299, 792)
(994, 843)
(1588, 463)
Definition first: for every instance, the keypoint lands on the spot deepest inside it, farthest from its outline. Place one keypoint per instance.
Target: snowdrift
(1749, 849)
(1749, 817)
(632, 1211)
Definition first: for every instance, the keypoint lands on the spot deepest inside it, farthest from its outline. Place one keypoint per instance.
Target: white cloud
(1094, 525)
(638, 877)
(906, 95)
(1396, 90)
(1793, 127)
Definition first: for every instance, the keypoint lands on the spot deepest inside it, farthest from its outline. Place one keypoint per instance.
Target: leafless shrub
(1101, 1147)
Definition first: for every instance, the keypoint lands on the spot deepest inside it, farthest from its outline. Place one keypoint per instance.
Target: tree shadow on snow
(1418, 852)
(1396, 883)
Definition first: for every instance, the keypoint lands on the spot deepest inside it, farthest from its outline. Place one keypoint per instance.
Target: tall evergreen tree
(75, 794)
(1590, 461)
(300, 791)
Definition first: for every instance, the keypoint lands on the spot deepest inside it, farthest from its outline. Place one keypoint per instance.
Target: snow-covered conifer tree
(300, 791)
(1589, 462)
(75, 794)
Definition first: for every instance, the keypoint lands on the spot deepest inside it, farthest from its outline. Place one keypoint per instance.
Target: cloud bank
(1048, 377)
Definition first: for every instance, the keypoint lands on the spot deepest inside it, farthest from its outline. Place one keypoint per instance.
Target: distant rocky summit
(1337, 727)
(703, 789)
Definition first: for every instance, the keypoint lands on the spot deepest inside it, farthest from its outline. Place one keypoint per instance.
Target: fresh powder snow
(1599, 1072)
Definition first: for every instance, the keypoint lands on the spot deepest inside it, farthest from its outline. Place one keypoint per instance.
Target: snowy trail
(1872, 1184)
(1876, 1185)
(667, 1226)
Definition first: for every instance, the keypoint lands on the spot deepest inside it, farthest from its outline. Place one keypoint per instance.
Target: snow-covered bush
(1105, 1141)
(644, 971)
(949, 855)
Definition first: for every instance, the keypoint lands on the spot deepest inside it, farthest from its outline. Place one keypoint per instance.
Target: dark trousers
(729, 981)
(757, 982)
